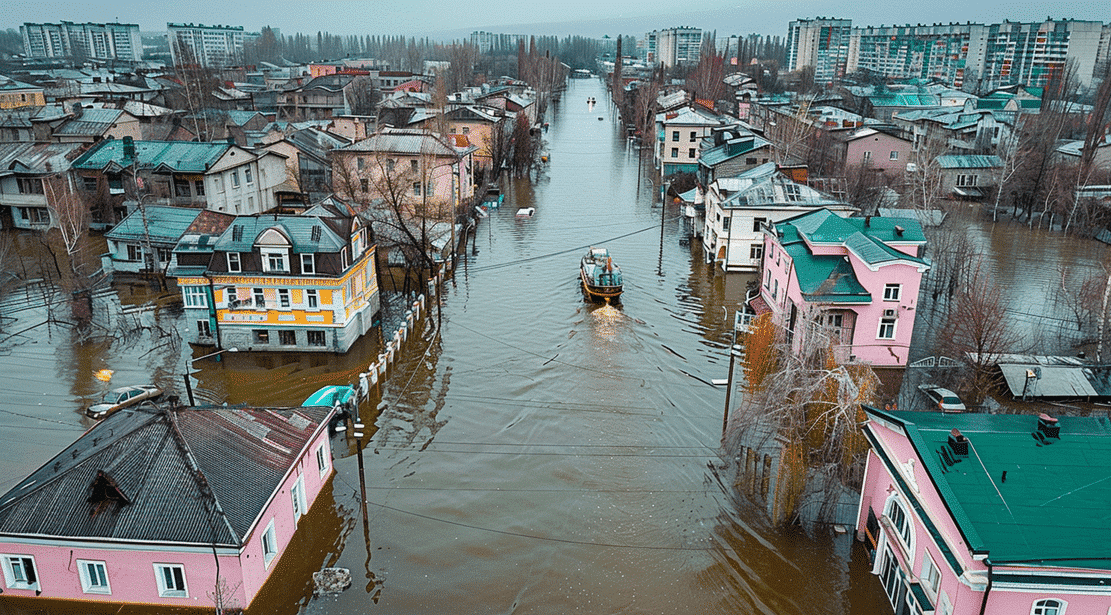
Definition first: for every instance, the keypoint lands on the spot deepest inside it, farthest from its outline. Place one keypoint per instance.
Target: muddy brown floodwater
(543, 455)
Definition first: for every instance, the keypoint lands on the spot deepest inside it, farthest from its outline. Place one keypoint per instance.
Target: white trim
(87, 584)
(1060, 607)
(269, 535)
(323, 463)
(9, 574)
(163, 590)
(111, 545)
(299, 499)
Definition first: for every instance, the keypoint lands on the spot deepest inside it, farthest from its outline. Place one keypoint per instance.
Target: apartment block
(821, 43)
(215, 46)
(94, 41)
(674, 46)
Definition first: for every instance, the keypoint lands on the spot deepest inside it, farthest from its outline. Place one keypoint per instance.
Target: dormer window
(274, 248)
(275, 260)
(308, 264)
(233, 263)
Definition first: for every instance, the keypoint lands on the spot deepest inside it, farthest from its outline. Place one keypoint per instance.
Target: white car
(946, 400)
(122, 397)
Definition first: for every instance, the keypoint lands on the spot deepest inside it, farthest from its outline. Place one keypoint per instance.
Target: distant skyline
(456, 20)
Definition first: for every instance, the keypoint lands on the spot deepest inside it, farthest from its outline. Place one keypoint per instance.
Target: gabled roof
(241, 234)
(164, 224)
(737, 146)
(178, 156)
(91, 122)
(188, 476)
(868, 238)
(1050, 511)
(202, 234)
(690, 115)
(36, 158)
(969, 161)
(405, 142)
(765, 186)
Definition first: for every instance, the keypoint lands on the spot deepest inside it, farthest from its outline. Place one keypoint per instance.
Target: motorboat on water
(600, 277)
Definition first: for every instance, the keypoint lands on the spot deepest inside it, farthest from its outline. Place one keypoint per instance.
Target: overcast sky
(442, 19)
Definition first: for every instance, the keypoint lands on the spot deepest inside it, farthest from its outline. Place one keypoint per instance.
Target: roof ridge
(198, 474)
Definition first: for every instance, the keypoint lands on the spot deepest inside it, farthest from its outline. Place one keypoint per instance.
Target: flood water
(541, 455)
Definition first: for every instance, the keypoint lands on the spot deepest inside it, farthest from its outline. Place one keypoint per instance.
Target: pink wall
(880, 145)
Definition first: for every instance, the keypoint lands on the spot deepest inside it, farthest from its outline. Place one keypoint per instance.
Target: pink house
(877, 150)
(150, 504)
(847, 283)
(972, 514)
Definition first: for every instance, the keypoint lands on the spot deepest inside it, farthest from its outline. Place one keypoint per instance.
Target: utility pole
(732, 361)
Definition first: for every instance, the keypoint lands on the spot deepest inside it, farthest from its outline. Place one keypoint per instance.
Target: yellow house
(15, 94)
(303, 282)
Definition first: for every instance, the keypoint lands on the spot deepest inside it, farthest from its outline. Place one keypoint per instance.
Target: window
(694, 136)
(171, 580)
(321, 460)
(364, 185)
(757, 223)
(308, 264)
(269, 544)
(89, 183)
(134, 252)
(894, 155)
(316, 338)
(198, 187)
(466, 130)
(675, 152)
(250, 204)
(311, 299)
(674, 135)
(181, 187)
(233, 262)
(164, 255)
(413, 166)
(767, 278)
(94, 577)
(360, 163)
(287, 338)
(750, 161)
(966, 180)
(343, 260)
(891, 292)
(235, 178)
(887, 329)
(898, 517)
(931, 576)
(261, 336)
(430, 189)
(233, 299)
(389, 165)
(867, 156)
(283, 297)
(195, 296)
(20, 572)
(30, 185)
(416, 188)
(300, 505)
(274, 260)
(1048, 606)
(691, 153)
(260, 298)
(204, 328)
(775, 289)
(756, 251)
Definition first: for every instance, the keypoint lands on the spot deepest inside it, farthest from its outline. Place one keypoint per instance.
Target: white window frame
(312, 299)
(269, 543)
(165, 591)
(907, 539)
(892, 292)
(258, 297)
(931, 577)
(283, 298)
(89, 585)
(884, 322)
(1040, 606)
(310, 260)
(247, 177)
(297, 495)
(134, 252)
(322, 460)
(235, 265)
(281, 255)
(194, 296)
(9, 572)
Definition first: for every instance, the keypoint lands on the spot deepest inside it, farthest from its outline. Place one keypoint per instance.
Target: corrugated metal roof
(968, 161)
(299, 230)
(92, 122)
(179, 156)
(35, 157)
(165, 224)
(405, 142)
(242, 453)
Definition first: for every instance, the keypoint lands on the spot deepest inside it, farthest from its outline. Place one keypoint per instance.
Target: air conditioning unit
(890, 313)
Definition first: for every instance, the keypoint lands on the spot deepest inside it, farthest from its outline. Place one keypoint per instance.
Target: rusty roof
(189, 476)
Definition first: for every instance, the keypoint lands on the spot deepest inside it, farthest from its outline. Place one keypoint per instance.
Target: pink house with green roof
(974, 514)
(850, 284)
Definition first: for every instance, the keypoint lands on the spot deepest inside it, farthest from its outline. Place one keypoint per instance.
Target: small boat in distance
(601, 278)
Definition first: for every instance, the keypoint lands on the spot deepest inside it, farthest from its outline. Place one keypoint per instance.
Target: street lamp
(188, 384)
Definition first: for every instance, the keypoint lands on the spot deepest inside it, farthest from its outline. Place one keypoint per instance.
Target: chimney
(1048, 426)
(899, 230)
(867, 221)
(958, 442)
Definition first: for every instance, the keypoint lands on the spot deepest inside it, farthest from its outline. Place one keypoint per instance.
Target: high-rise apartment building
(674, 46)
(94, 41)
(821, 43)
(969, 55)
(215, 46)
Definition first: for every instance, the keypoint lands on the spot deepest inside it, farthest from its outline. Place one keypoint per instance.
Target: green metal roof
(969, 161)
(179, 156)
(164, 224)
(1052, 507)
(826, 279)
(299, 230)
(868, 238)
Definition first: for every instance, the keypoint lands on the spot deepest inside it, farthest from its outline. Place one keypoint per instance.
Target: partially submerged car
(122, 397)
(946, 400)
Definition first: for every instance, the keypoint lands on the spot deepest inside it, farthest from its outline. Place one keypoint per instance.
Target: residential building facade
(679, 137)
(15, 94)
(848, 284)
(214, 46)
(93, 41)
(230, 487)
(992, 514)
(34, 180)
(821, 43)
(674, 46)
(281, 283)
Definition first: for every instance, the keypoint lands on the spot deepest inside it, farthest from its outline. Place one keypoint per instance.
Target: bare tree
(705, 81)
(70, 215)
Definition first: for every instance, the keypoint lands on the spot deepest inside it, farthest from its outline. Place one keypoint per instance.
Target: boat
(341, 397)
(601, 278)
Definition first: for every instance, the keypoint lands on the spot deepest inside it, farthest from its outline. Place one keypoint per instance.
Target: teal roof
(164, 224)
(177, 156)
(299, 230)
(1052, 508)
(826, 279)
(731, 149)
(969, 161)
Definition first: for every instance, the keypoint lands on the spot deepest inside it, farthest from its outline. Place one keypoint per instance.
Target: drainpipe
(987, 590)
